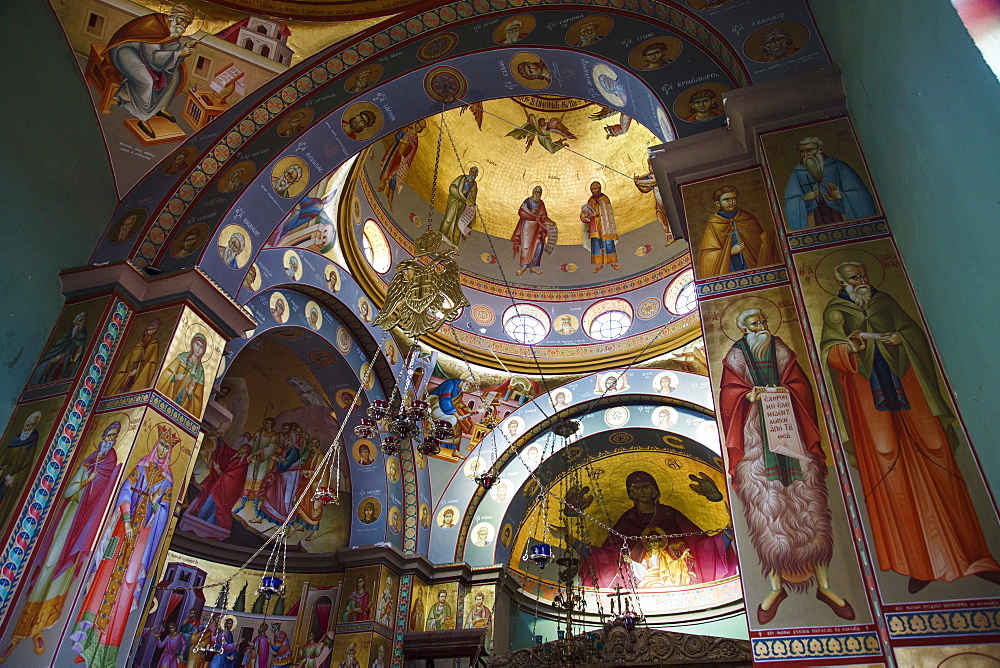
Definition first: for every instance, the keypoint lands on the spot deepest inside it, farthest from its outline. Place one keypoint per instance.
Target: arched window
(608, 319)
(526, 323)
(375, 247)
(265, 51)
(681, 297)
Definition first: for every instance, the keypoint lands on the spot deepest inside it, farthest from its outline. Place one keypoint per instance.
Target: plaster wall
(927, 110)
(56, 188)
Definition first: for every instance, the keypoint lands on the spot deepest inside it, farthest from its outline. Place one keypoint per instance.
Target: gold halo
(603, 69)
(153, 436)
(244, 255)
(308, 112)
(310, 305)
(790, 146)
(375, 502)
(298, 261)
(829, 262)
(299, 186)
(278, 297)
(706, 201)
(353, 79)
(194, 327)
(734, 308)
(604, 25)
(255, 283)
(527, 26)
(532, 84)
(682, 103)
(369, 131)
(637, 61)
(752, 45)
(249, 169)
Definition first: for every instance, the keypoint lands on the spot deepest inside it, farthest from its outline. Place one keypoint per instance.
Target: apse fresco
(819, 175)
(251, 473)
(927, 511)
(788, 509)
(206, 59)
(651, 495)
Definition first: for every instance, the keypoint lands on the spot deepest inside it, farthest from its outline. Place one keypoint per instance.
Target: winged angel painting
(551, 133)
(423, 297)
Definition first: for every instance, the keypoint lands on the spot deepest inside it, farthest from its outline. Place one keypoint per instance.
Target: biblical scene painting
(251, 473)
(787, 505)
(65, 352)
(931, 527)
(142, 352)
(649, 493)
(80, 505)
(730, 224)
(470, 403)
(158, 72)
(191, 364)
(254, 630)
(311, 224)
(819, 175)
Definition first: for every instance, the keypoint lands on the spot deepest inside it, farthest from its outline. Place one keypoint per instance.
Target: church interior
(299, 371)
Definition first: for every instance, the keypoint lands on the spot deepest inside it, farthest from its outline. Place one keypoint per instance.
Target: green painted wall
(56, 188)
(927, 111)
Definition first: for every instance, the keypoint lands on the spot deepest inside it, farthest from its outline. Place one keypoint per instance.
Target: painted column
(98, 510)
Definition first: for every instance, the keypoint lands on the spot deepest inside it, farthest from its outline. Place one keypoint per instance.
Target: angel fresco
(615, 129)
(551, 133)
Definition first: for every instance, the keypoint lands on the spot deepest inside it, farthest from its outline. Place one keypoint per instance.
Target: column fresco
(90, 565)
(824, 373)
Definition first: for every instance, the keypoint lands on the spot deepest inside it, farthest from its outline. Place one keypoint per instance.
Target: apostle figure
(224, 638)
(601, 565)
(784, 498)
(824, 190)
(310, 652)
(16, 461)
(283, 182)
(599, 229)
(480, 616)
(734, 240)
(704, 106)
(922, 519)
(647, 183)
(398, 158)
(461, 209)
(260, 649)
(138, 369)
(351, 660)
(440, 617)
(379, 660)
(224, 485)
(188, 629)
(67, 548)
(142, 512)
(174, 647)
(358, 607)
(355, 125)
(531, 235)
(281, 646)
(183, 381)
(230, 252)
(62, 360)
(148, 54)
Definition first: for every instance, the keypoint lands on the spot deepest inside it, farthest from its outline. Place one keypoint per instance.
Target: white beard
(814, 165)
(790, 527)
(759, 343)
(860, 295)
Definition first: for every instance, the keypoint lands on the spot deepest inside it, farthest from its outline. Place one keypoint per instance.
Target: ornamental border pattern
(402, 618)
(833, 646)
(938, 623)
(29, 525)
(838, 234)
(751, 281)
(367, 49)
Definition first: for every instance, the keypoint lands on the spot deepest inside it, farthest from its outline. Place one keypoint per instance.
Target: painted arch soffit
(245, 132)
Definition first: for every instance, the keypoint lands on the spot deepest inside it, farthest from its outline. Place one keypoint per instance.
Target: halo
(307, 112)
(735, 307)
(352, 80)
(620, 494)
(255, 283)
(706, 201)
(752, 46)
(107, 418)
(175, 244)
(298, 262)
(638, 62)
(278, 297)
(830, 261)
(527, 26)
(299, 186)
(790, 145)
(249, 169)
(478, 165)
(244, 255)
(601, 69)
(192, 328)
(604, 25)
(114, 235)
(232, 617)
(371, 130)
(310, 305)
(532, 84)
(683, 100)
